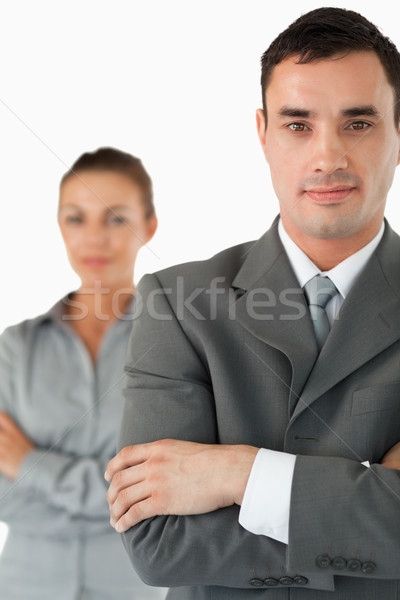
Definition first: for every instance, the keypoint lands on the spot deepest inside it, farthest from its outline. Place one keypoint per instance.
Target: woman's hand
(14, 446)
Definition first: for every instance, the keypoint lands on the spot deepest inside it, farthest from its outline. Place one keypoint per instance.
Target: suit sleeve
(345, 518)
(169, 395)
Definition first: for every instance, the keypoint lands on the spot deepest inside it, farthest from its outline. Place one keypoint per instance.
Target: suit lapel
(369, 319)
(281, 318)
(369, 322)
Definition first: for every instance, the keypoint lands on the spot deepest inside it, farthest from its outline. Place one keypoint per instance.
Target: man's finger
(123, 479)
(126, 499)
(137, 513)
(127, 457)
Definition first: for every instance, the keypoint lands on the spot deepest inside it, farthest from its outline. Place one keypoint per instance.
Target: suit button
(368, 567)
(286, 580)
(256, 582)
(338, 562)
(323, 561)
(353, 565)
(300, 580)
(270, 582)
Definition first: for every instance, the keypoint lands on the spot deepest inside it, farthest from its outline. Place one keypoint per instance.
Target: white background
(175, 82)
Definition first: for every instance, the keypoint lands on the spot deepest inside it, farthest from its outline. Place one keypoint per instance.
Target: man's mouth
(329, 195)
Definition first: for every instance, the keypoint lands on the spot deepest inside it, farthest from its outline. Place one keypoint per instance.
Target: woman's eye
(74, 219)
(298, 127)
(117, 220)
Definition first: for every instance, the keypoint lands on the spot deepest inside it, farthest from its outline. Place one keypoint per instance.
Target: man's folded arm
(265, 509)
(342, 510)
(337, 506)
(168, 395)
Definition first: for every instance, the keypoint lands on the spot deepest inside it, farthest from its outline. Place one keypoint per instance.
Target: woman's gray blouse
(71, 410)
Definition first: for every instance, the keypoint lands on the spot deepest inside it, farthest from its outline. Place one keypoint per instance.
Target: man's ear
(261, 130)
(398, 133)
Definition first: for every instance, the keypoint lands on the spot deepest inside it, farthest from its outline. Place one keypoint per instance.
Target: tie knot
(319, 290)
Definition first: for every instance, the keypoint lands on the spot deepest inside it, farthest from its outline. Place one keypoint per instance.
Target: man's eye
(297, 127)
(358, 125)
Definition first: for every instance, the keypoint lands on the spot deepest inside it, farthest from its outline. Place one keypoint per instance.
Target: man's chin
(330, 230)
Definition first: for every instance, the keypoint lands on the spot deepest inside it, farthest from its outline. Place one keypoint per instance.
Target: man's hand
(391, 460)
(171, 477)
(14, 445)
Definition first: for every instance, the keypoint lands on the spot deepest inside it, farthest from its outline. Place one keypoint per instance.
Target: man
(278, 361)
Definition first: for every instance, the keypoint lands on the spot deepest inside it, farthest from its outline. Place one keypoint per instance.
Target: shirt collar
(57, 310)
(343, 275)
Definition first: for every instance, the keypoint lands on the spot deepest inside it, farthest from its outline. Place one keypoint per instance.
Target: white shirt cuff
(266, 502)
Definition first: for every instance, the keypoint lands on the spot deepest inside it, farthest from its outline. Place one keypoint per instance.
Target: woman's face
(102, 221)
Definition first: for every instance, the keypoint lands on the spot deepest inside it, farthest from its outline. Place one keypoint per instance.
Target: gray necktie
(319, 290)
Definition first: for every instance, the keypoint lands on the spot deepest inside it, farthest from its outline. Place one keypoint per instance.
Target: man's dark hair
(116, 161)
(326, 32)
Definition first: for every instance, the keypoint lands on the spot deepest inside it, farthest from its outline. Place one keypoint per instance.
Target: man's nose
(329, 153)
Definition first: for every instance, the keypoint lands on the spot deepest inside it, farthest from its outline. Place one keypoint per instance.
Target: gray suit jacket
(224, 352)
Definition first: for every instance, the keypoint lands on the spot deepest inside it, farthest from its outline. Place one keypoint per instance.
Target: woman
(61, 377)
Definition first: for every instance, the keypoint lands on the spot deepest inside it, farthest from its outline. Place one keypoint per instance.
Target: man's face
(331, 145)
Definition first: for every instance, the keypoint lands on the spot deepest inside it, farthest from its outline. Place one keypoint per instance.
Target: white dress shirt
(266, 503)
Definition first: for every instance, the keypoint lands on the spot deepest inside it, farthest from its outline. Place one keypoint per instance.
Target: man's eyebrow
(367, 110)
(291, 111)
